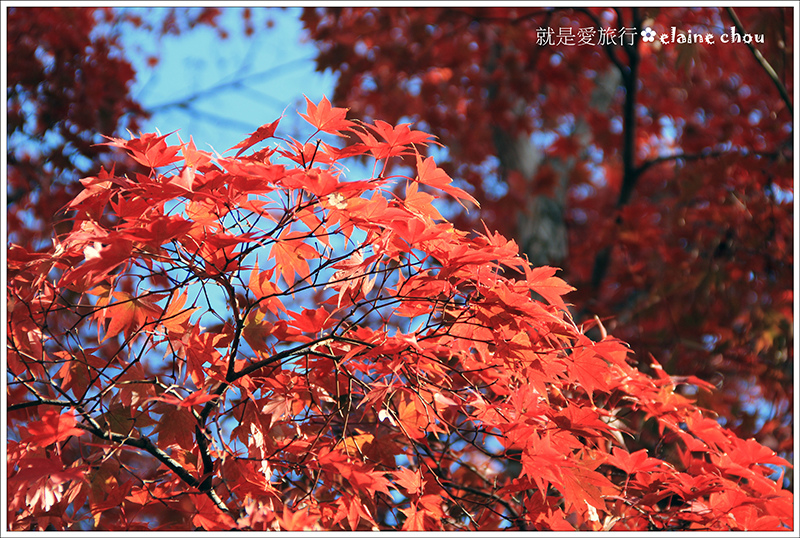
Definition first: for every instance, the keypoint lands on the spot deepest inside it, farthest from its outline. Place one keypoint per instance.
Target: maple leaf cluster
(69, 79)
(260, 342)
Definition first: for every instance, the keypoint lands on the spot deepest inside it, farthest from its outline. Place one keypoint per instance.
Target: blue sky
(249, 81)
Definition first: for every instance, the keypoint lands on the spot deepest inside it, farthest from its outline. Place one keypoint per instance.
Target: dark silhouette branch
(144, 443)
(629, 121)
(630, 174)
(205, 455)
(298, 350)
(608, 49)
(33, 403)
(763, 62)
(646, 165)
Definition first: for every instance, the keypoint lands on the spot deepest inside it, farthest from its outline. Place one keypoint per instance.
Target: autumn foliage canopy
(261, 341)
(659, 176)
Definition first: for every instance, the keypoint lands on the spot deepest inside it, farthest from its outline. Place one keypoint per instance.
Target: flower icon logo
(648, 35)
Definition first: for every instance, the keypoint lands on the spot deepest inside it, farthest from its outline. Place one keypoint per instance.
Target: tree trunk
(541, 227)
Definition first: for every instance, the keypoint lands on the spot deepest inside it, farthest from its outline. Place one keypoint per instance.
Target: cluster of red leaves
(671, 165)
(66, 83)
(69, 79)
(256, 342)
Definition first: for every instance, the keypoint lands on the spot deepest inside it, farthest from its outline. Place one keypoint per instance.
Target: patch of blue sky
(218, 90)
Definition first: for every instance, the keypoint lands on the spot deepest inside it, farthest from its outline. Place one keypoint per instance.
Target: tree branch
(630, 173)
(237, 83)
(763, 62)
(608, 49)
(205, 455)
(33, 403)
(646, 165)
(629, 121)
(144, 443)
(278, 357)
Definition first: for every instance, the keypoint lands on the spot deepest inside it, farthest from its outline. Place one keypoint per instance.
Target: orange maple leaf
(290, 253)
(256, 331)
(326, 118)
(175, 317)
(411, 481)
(127, 314)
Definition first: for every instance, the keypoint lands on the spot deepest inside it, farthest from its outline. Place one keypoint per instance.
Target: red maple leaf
(633, 463)
(326, 118)
(259, 135)
(291, 252)
(52, 427)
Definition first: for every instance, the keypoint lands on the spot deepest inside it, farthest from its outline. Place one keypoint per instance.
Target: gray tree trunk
(541, 228)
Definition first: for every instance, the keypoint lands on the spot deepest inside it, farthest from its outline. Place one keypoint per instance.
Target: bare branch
(763, 62)
(144, 443)
(33, 403)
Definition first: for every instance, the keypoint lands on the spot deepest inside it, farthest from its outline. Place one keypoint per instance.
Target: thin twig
(763, 61)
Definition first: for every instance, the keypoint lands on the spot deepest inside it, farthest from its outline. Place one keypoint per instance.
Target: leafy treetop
(259, 342)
